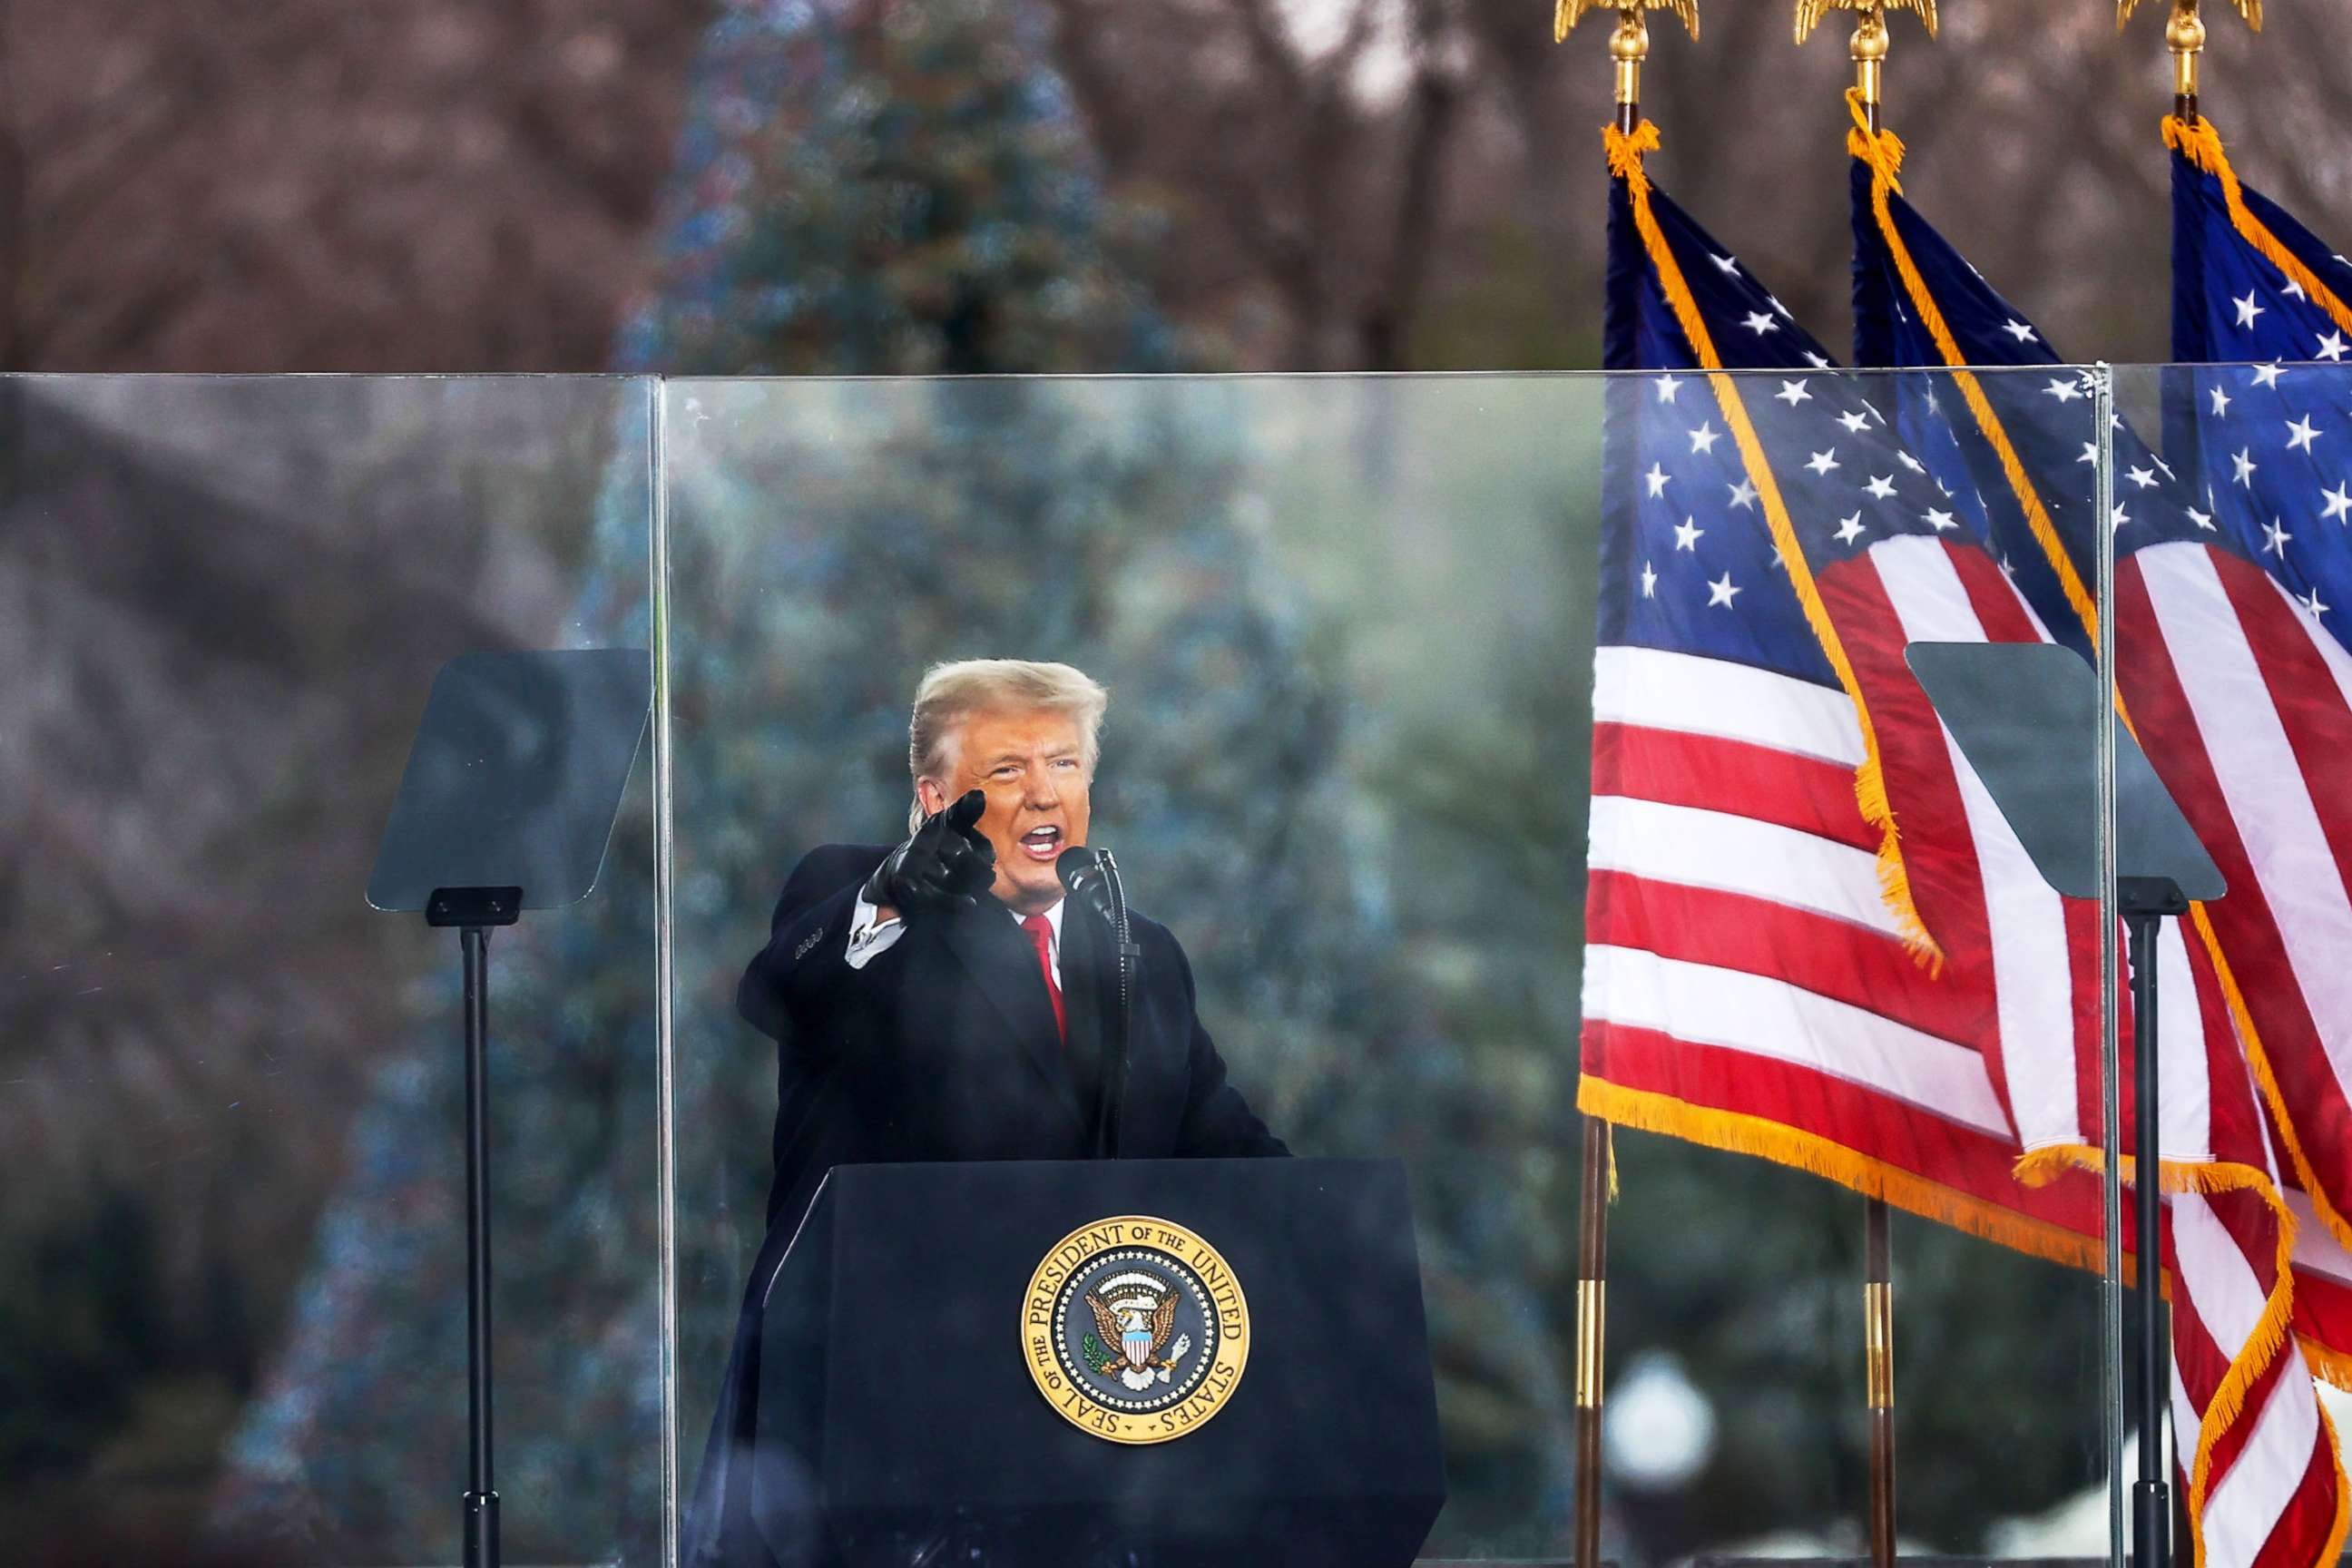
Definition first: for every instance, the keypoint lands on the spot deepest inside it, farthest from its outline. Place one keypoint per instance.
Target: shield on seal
(1137, 1343)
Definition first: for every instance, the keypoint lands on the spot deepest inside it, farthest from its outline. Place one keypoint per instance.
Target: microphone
(1086, 877)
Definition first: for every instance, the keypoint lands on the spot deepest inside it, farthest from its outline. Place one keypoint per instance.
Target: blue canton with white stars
(1689, 559)
(2273, 436)
(2216, 498)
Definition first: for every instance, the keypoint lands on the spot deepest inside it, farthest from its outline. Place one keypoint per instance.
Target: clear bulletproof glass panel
(1466, 735)
(232, 1239)
(2231, 568)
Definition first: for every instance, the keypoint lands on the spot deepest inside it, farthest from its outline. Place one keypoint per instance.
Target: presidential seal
(1135, 1330)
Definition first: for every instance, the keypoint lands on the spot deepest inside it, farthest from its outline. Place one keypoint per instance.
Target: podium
(936, 1384)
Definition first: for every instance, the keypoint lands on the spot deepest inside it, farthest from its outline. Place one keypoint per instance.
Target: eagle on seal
(1134, 1340)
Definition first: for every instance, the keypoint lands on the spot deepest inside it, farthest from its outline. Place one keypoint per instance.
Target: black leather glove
(945, 865)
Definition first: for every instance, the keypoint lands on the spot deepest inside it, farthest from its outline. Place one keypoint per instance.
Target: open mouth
(1042, 844)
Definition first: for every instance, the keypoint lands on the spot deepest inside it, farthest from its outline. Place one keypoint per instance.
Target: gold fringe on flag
(2271, 1330)
(1736, 1133)
(2328, 1362)
(2340, 1367)
(1625, 152)
(2201, 145)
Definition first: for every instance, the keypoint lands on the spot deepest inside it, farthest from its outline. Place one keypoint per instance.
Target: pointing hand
(946, 864)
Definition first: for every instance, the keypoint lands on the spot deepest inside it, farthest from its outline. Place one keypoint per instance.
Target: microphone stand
(475, 913)
(1097, 880)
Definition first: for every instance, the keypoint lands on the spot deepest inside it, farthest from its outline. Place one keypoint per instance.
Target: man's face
(1032, 764)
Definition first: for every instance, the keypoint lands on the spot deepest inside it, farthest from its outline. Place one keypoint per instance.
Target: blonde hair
(951, 692)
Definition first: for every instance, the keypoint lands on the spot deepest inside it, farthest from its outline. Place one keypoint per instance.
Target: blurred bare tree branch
(1361, 202)
(282, 185)
(1349, 184)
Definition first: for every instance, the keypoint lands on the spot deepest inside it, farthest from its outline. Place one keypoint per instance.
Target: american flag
(2271, 445)
(2197, 618)
(1768, 968)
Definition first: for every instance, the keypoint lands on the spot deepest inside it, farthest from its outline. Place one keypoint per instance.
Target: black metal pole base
(481, 1530)
(2151, 1522)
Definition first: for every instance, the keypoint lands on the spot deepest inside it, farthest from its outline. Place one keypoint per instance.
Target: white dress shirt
(870, 935)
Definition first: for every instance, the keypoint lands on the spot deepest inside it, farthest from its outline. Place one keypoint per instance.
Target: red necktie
(1041, 937)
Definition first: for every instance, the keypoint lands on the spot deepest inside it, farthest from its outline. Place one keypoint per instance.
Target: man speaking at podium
(948, 999)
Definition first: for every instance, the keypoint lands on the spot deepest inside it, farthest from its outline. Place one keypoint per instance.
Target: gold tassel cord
(1625, 153)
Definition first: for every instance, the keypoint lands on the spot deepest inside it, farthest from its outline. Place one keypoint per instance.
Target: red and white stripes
(2249, 711)
(1745, 986)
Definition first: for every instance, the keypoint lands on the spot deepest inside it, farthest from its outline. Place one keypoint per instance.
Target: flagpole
(1629, 47)
(1592, 1325)
(1878, 1353)
(1868, 49)
(2186, 35)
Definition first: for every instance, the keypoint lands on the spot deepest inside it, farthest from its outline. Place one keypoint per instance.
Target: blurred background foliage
(1348, 624)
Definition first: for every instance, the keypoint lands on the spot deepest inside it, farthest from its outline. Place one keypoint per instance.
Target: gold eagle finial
(2252, 10)
(1870, 43)
(1629, 45)
(1810, 12)
(2185, 33)
(1567, 13)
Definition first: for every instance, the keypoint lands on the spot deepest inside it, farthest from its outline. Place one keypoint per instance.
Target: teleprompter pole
(473, 911)
(1878, 1352)
(2144, 901)
(481, 1520)
(515, 776)
(2016, 711)
(1591, 1321)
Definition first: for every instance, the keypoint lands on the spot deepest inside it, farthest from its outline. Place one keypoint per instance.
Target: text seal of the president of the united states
(1135, 1330)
